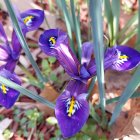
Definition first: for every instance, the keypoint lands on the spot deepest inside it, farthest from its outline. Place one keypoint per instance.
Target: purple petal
(4, 53)
(32, 18)
(109, 57)
(84, 74)
(16, 45)
(6, 60)
(127, 58)
(8, 96)
(72, 109)
(47, 40)
(87, 52)
(67, 59)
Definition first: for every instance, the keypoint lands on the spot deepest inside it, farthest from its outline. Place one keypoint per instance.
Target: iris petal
(48, 39)
(72, 109)
(8, 96)
(60, 49)
(127, 59)
(32, 18)
(67, 59)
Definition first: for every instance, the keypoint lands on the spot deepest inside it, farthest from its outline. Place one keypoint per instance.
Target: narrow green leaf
(129, 35)
(22, 40)
(91, 86)
(26, 92)
(128, 92)
(113, 100)
(95, 8)
(128, 25)
(116, 15)
(62, 5)
(138, 35)
(77, 31)
(109, 16)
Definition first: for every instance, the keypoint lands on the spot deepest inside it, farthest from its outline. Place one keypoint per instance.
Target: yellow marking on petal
(123, 57)
(71, 108)
(28, 18)
(4, 89)
(52, 40)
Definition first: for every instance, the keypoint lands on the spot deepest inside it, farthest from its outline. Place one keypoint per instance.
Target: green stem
(91, 86)
(22, 40)
(26, 92)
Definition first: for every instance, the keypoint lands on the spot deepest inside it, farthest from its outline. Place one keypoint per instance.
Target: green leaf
(91, 86)
(31, 124)
(116, 15)
(52, 60)
(95, 8)
(68, 21)
(76, 28)
(53, 77)
(138, 35)
(23, 120)
(45, 64)
(113, 100)
(94, 114)
(109, 16)
(129, 24)
(127, 93)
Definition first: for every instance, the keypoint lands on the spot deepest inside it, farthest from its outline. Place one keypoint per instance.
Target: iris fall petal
(127, 58)
(72, 109)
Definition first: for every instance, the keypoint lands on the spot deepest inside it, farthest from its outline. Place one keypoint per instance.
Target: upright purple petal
(127, 58)
(72, 109)
(109, 57)
(32, 18)
(48, 39)
(8, 96)
(16, 45)
(67, 59)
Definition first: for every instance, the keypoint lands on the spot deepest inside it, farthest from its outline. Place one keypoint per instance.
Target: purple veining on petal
(128, 58)
(67, 59)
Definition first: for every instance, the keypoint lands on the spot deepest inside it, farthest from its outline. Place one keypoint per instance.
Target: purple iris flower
(9, 55)
(72, 109)
(29, 20)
